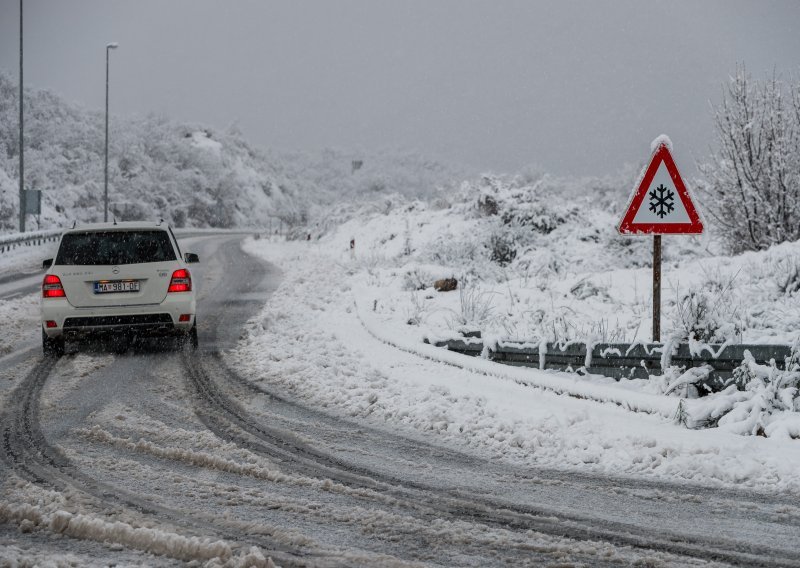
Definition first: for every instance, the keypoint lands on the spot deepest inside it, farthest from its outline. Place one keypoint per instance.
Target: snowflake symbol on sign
(661, 200)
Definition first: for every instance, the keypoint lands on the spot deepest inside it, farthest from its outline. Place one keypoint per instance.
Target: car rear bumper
(157, 319)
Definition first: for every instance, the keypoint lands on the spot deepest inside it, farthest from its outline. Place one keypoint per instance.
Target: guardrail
(621, 360)
(36, 238)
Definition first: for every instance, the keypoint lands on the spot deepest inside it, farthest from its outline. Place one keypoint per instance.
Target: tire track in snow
(26, 452)
(226, 418)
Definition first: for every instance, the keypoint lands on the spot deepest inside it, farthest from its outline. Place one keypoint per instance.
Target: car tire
(193, 342)
(52, 346)
(188, 340)
(121, 344)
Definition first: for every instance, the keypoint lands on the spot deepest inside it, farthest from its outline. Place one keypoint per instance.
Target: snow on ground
(20, 322)
(34, 508)
(535, 262)
(572, 280)
(25, 259)
(311, 342)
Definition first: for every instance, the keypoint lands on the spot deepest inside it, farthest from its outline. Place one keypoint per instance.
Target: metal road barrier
(621, 360)
(35, 238)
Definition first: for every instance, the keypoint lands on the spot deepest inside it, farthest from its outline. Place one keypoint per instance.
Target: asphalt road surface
(163, 456)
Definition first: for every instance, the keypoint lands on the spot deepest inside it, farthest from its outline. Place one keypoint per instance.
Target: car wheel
(120, 344)
(52, 346)
(193, 336)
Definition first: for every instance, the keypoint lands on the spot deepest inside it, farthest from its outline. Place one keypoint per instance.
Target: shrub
(417, 279)
(752, 181)
(787, 274)
(708, 313)
(417, 310)
(476, 306)
(762, 401)
(502, 248)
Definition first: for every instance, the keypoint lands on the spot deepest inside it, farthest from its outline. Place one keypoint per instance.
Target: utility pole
(109, 47)
(21, 137)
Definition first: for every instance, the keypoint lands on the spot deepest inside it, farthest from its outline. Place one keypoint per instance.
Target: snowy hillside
(536, 263)
(188, 174)
(533, 263)
(537, 258)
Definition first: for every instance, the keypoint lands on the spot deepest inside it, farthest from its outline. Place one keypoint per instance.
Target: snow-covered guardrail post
(670, 211)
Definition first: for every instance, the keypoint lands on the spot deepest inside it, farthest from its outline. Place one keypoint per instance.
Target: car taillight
(52, 288)
(181, 281)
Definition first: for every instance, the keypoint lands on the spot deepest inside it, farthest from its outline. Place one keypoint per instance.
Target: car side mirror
(190, 257)
(47, 263)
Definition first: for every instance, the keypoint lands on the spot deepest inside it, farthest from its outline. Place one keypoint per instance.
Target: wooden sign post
(656, 287)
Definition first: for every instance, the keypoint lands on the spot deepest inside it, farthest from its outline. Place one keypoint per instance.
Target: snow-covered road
(155, 457)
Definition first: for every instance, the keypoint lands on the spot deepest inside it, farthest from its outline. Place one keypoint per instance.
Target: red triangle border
(628, 227)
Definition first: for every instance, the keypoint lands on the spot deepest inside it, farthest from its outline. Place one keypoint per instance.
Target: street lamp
(110, 46)
(21, 136)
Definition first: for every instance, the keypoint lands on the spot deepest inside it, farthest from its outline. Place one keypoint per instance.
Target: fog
(575, 87)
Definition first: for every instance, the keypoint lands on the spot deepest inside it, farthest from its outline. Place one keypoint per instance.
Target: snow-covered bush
(417, 278)
(752, 181)
(418, 309)
(786, 271)
(502, 247)
(476, 306)
(186, 174)
(452, 250)
(585, 288)
(629, 252)
(192, 174)
(708, 313)
(529, 208)
(762, 401)
(684, 383)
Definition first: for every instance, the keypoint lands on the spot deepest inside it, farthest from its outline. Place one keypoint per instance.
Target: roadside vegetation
(535, 257)
(187, 174)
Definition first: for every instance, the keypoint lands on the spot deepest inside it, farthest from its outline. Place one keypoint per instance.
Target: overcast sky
(576, 87)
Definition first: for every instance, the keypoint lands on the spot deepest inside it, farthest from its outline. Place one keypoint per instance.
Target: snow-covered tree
(188, 174)
(752, 180)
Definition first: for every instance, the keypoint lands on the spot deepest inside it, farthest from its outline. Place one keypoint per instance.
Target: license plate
(111, 286)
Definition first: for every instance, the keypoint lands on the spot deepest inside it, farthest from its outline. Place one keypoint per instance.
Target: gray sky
(578, 87)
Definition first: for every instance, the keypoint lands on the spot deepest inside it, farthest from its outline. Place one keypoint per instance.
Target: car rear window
(115, 247)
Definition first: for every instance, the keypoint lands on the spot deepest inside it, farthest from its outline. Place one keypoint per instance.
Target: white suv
(117, 279)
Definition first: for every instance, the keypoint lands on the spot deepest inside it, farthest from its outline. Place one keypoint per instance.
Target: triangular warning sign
(661, 204)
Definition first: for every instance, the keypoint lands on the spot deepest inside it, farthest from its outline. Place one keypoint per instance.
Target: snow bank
(90, 527)
(555, 382)
(33, 508)
(20, 323)
(316, 341)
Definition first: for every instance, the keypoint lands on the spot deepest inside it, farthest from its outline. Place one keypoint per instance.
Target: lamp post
(109, 47)
(21, 137)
